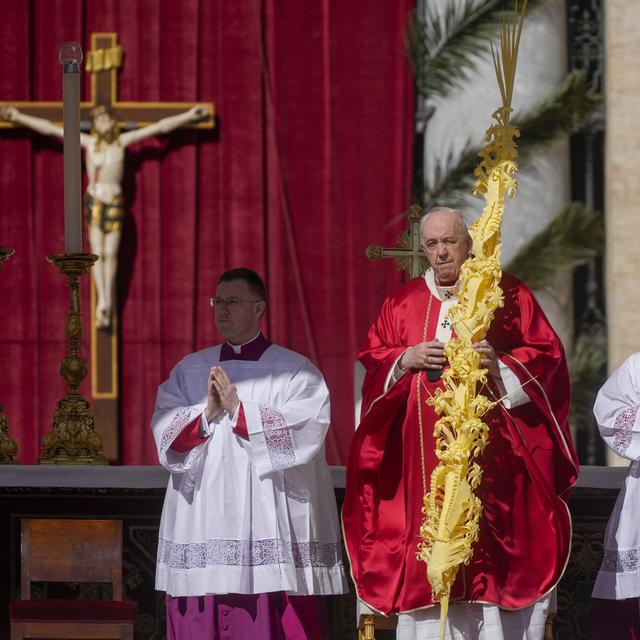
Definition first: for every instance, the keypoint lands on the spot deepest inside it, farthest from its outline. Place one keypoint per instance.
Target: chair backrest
(71, 551)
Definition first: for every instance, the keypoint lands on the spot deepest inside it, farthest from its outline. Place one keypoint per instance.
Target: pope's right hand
(424, 355)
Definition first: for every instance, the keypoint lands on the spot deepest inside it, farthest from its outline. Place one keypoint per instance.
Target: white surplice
(616, 410)
(256, 515)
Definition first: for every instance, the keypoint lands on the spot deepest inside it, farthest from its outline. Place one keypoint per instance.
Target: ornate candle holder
(8, 446)
(73, 438)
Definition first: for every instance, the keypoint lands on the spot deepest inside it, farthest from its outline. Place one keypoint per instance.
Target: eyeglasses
(230, 303)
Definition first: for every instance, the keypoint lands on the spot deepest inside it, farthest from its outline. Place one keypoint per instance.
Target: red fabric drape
(311, 159)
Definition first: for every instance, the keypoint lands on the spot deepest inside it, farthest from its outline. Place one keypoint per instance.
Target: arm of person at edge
(617, 409)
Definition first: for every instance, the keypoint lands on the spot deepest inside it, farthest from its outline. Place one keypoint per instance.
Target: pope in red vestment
(528, 465)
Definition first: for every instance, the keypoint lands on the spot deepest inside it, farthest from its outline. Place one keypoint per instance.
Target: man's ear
(261, 307)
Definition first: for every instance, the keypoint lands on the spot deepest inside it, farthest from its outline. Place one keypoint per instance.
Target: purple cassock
(267, 616)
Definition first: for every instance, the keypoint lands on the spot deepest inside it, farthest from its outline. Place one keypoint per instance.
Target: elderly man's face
(446, 245)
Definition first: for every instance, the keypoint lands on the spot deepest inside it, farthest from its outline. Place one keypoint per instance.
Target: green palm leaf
(445, 49)
(573, 237)
(561, 113)
(588, 369)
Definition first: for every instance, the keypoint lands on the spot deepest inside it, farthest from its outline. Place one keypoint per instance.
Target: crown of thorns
(101, 110)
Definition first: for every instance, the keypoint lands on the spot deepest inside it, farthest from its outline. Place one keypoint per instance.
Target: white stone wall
(622, 178)
(622, 38)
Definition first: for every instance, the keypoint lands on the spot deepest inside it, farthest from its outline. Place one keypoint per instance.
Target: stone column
(622, 179)
(622, 166)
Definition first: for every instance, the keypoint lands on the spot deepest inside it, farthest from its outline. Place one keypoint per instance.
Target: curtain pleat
(311, 158)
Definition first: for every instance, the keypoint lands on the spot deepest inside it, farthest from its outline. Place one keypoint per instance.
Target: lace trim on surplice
(278, 438)
(623, 426)
(621, 560)
(179, 421)
(177, 424)
(248, 553)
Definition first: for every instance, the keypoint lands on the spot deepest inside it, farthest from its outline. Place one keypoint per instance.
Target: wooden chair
(71, 551)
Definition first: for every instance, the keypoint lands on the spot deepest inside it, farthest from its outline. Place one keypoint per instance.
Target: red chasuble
(528, 465)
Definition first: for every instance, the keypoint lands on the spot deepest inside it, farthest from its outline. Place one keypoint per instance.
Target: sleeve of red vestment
(381, 350)
(241, 425)
(529, 346)
(189, 437)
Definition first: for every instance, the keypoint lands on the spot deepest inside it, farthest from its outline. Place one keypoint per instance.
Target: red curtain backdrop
(311, 159)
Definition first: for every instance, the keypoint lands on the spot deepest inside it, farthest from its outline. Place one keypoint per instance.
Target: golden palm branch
(452, 510)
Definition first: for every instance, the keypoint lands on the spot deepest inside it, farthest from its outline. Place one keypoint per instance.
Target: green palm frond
(574, 236)
(445, 49)
(561, 113)
(453, 179)
(587, 367)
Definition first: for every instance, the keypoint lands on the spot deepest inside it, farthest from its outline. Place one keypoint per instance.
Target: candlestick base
(73, 438)
(8, 446)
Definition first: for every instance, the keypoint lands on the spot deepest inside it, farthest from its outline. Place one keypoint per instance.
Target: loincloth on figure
(108, 217)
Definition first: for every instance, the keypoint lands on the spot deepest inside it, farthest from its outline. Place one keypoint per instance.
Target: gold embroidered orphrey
(104, 62)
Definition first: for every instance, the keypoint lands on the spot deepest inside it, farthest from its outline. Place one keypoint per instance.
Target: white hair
(456, 212)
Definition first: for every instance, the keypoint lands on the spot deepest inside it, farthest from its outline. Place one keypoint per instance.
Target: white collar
(440, 292)
(237, 348)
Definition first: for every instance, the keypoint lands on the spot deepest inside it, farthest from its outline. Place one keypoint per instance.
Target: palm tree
(445, 49)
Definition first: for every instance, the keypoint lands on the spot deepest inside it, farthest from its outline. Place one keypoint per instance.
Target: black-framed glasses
(229, 303)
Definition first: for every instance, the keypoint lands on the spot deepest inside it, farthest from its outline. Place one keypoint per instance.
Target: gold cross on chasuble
(103, 62)
(407, 252)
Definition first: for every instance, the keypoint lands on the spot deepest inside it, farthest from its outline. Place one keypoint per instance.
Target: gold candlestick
(8, 446)
(73, 438)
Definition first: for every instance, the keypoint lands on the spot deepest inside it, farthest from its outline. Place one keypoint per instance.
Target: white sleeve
(395, 373)
(513, 395)
(172, 413)
(292, 432)
(616, 409)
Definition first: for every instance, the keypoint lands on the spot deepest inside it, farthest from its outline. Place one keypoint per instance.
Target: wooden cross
(104, 62)
(407, 252)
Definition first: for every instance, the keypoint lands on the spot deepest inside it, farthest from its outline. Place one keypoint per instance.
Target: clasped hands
(221, 394)
(430, 355)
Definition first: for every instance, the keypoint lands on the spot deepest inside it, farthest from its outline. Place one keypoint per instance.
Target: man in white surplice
(249, 535)
(615, 608)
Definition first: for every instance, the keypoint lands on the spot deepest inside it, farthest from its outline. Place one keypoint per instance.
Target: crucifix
(407, 252)
(113, 126)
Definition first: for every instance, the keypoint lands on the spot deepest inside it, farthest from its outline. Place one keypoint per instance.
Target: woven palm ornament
(451, 509)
